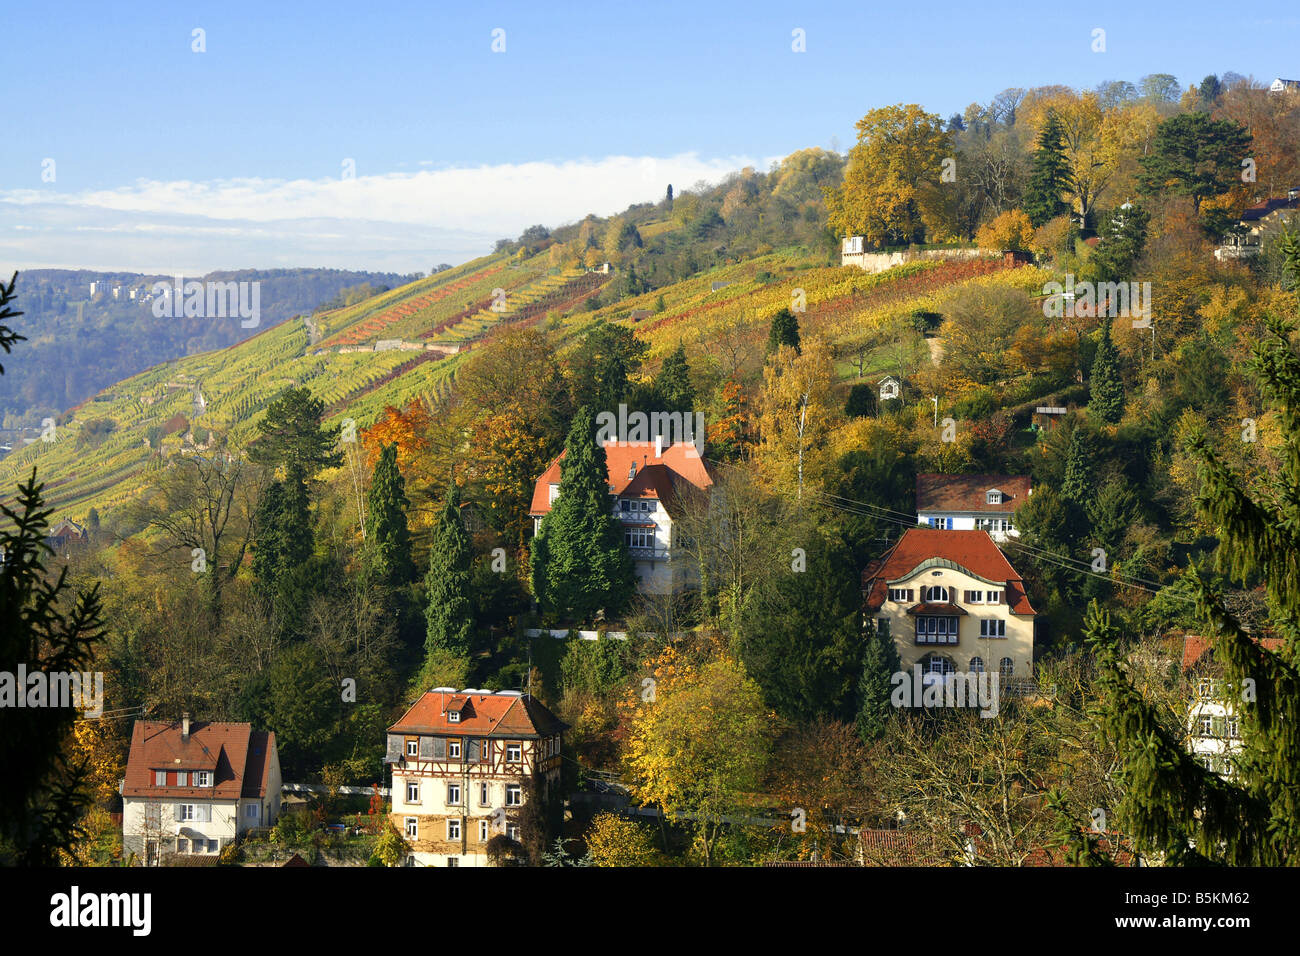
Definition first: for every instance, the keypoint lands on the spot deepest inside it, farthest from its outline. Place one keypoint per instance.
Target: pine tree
(1173, 806)
(1049, 176)
(388, 543)
(1077, 483)
(784, 331)
(673, 383)
(1106, 385)
(449, 611)
(284, 534)
(580, 563)
(880, 662)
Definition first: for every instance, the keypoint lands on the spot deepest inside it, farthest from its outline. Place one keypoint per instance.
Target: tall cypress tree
(880, 662)
(1106, 385)
(388, 545)
(1049, 176)
(1080, 461)
(784, 331)
(449, 611)
(580, 562)
(673, 383)
(1173, 806)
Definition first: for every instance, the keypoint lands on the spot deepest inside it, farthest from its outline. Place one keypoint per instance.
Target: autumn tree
(700, 746)
(796, 412)
(891, 189)
(1010, 230)
(615, 841)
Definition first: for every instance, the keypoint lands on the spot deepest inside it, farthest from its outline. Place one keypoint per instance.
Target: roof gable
(970, 552)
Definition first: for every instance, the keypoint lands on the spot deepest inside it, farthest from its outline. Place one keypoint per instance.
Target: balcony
(648, 554)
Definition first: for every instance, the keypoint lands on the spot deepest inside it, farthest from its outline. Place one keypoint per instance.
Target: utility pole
(935, 399)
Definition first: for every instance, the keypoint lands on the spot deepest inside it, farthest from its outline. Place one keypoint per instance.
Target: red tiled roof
(972, 550)
(1196, 647)
(655, 478)
(948, 608)
(498, 715)
(1268, 207)
(236, 755)
(949, 493)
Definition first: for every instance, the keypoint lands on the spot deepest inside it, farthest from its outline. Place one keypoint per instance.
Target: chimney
(185, 726)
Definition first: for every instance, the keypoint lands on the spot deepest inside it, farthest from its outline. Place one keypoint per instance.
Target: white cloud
(395, 221)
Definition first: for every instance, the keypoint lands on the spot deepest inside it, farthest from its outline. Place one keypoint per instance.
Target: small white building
(194, 787)
(890, 387)
(1280, 85)
(971, 502)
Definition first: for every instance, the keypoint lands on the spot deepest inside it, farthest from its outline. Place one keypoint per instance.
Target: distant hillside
(79, 342)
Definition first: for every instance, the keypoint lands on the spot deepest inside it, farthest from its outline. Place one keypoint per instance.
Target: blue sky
(170, 159)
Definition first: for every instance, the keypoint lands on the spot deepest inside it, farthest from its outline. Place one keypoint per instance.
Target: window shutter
(176, 812)
(439, 747)
(203, 812)
(429, 747)
(473, 748)
(394, 749)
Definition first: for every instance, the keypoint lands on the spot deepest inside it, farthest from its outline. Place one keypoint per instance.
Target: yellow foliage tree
(1011, 230)
(614, 841)
(796, 412)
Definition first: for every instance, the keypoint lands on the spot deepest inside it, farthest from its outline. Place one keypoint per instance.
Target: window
(412, 827)
(639, 537)
(1006, 667)
(184, 812)
(989, 628)
(182, 778)
(484, 830)
(882, 627)
(453, 749)
(413, 747)
(942, 524)
(936, 630)
(514, 753)
(202, 778)
(1233, 728)
(182, 845)
(453, 861)
(514, 795)
(252, 811)
(977, 665)
(974, 597)
(453, 717)
(554, 493)
(483, 794)
(902, 595)
(512, 831)
(992, 597)
(994, 498)
(486, 750)
(936, 594)
(939, 665)
(453, 794)
(412, 791)
(453, 829)
(212, 846)
(160, 778)
(1207, 726)
(624, 505)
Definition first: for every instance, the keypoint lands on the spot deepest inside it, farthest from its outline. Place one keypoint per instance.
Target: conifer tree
(1174, 807)
(1121, 244)
(673, 383)
(1049, 176)
(1077, 482)
(784, 331)
(880, 662)
(449, 611)
(580, 562)
(388, 544)
(1106, 384)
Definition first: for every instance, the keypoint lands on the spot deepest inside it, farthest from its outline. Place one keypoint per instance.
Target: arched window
(977, 665)
(936, 664)
(1006, 667)
(936, 594)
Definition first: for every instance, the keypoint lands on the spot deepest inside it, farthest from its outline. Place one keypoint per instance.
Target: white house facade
(971, 502)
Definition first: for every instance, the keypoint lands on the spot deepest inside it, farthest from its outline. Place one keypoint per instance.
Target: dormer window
(994, 497)
(453, 716)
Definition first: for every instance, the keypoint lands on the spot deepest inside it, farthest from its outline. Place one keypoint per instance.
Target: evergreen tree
(1194, 156)
(388, 543)
(673, 383)
(449, 611)
(784, 331)
(1077, 484)
(1173, 806)
(880, 662)
(580, 562)
(290, 436)
(1106, 384)
(1120, 245)
(801, 635)
(42, 798)
(1049, 175)
(861, 401)
(284, 534)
